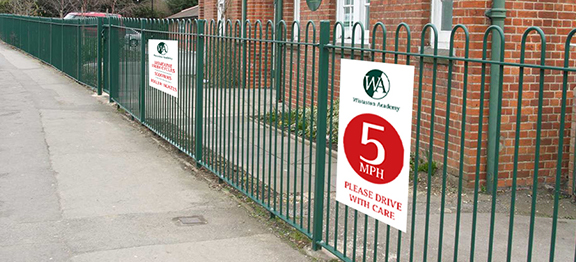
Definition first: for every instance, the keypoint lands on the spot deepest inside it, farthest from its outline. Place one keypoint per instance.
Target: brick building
(556, 18)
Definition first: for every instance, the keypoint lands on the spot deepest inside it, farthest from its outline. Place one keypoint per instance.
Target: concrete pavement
(79, 183)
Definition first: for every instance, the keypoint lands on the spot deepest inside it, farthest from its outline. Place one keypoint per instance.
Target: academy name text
(376, 104)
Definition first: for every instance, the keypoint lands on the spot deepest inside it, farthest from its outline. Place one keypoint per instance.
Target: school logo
(162, 48)
(376, 84)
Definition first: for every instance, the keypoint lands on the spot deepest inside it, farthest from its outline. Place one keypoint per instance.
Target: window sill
(441, 52)
(338, 50)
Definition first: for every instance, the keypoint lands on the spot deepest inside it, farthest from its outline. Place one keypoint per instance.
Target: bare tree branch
(23, 7)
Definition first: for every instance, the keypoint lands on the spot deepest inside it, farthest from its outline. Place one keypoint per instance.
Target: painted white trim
(436, 19)
(295, 29)
(296, 10)
(221, 16)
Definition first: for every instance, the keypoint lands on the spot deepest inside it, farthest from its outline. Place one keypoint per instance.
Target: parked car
(75, 15)
(132, 37)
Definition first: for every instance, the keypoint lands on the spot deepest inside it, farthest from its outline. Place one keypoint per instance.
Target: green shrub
(423, 163)
(5, 7)
(304, 122)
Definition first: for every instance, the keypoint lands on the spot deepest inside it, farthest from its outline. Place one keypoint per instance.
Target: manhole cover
(190, 220)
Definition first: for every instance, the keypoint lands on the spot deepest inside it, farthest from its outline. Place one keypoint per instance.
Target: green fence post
(99, 56)
(142, 71)
(105, 60)
(278, 62)
(39, 24)
(497, 14)
(321, 134)
(51, 40)
(114, 59)
(79, 49)
(62, 45)
(199, 91)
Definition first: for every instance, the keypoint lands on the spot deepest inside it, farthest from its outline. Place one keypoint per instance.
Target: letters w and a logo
(162, 48)
(376, 84)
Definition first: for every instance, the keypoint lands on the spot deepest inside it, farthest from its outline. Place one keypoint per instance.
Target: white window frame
(358, 15)
(221, 7)
(296, 30)
(436, 18)
(296, 10)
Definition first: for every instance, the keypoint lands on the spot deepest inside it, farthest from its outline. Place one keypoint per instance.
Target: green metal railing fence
(258, 106)
(68, 45)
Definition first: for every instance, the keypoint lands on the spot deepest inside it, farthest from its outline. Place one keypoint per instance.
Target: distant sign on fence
(374, 139)
(163, 65)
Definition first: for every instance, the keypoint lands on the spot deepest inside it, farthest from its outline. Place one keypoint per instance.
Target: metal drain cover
(190, 220)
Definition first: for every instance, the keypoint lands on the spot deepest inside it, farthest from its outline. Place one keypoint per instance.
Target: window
(442, 19)
(366, 20)
(350, 12)
(295, 30)
(222, 15)
(296, 10)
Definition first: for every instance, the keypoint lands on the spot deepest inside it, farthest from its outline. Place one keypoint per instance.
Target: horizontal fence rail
(258, 105)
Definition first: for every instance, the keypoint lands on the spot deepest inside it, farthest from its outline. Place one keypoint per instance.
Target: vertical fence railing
(258, 106)
(200, 40)
(321, 135)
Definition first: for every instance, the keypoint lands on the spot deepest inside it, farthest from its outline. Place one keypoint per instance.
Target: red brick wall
(572, 155)
(209, 9)
(556, 18)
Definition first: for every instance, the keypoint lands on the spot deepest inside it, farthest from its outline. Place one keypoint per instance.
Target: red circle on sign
(373, 148)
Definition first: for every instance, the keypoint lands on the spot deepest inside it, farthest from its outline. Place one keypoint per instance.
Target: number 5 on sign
(370, 135)
(380, 153)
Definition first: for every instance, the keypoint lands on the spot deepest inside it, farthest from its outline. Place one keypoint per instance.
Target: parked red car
(75, 15)
(131, 36)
